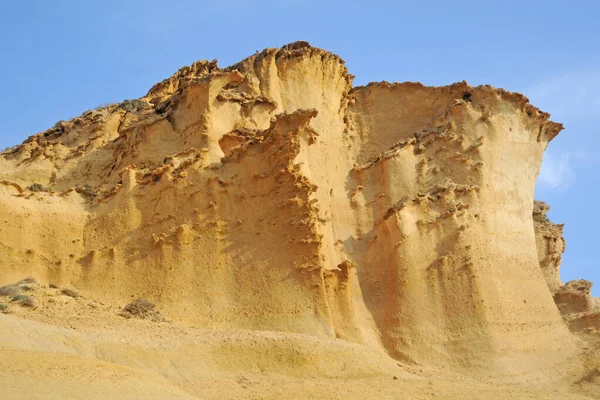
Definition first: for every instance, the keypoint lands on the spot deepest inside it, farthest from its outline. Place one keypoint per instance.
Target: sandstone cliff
(550, 245)
(273, 195)
(573, 299)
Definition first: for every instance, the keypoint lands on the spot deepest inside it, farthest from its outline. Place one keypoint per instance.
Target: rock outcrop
(579, 308)
(574, 299)
(274, 195)
(550, 245)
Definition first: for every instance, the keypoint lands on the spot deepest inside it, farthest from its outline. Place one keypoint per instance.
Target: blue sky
(60, 58)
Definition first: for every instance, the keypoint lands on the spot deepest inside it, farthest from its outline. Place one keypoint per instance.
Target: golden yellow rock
(296, 225)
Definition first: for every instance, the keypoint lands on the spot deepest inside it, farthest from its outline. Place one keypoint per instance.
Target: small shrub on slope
(142, 309)
(36, 187)
(70, 292)
(24, 301)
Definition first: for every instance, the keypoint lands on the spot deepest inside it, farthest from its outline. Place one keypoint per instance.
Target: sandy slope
(80, 348)
(46, 375)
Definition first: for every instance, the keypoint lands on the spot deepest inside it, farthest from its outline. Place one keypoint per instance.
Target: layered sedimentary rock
(274, 195)
(574, 299)
(580, 309)
(550, 245)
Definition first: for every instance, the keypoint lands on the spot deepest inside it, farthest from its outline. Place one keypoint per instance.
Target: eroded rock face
(577, 305)
(550, 245)
(273, 195)
(575, 297)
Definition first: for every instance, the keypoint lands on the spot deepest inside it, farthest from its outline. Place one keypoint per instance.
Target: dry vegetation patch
(70, 292)
(142, 309)
(23, 300)
(17, 289)
(16, 293)
(36, 187)
(10, 290)
(87, 191)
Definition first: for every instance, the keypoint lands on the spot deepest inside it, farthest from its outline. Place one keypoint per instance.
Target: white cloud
(556, 171)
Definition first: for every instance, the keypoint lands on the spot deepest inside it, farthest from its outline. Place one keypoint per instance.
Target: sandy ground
(79, 348)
